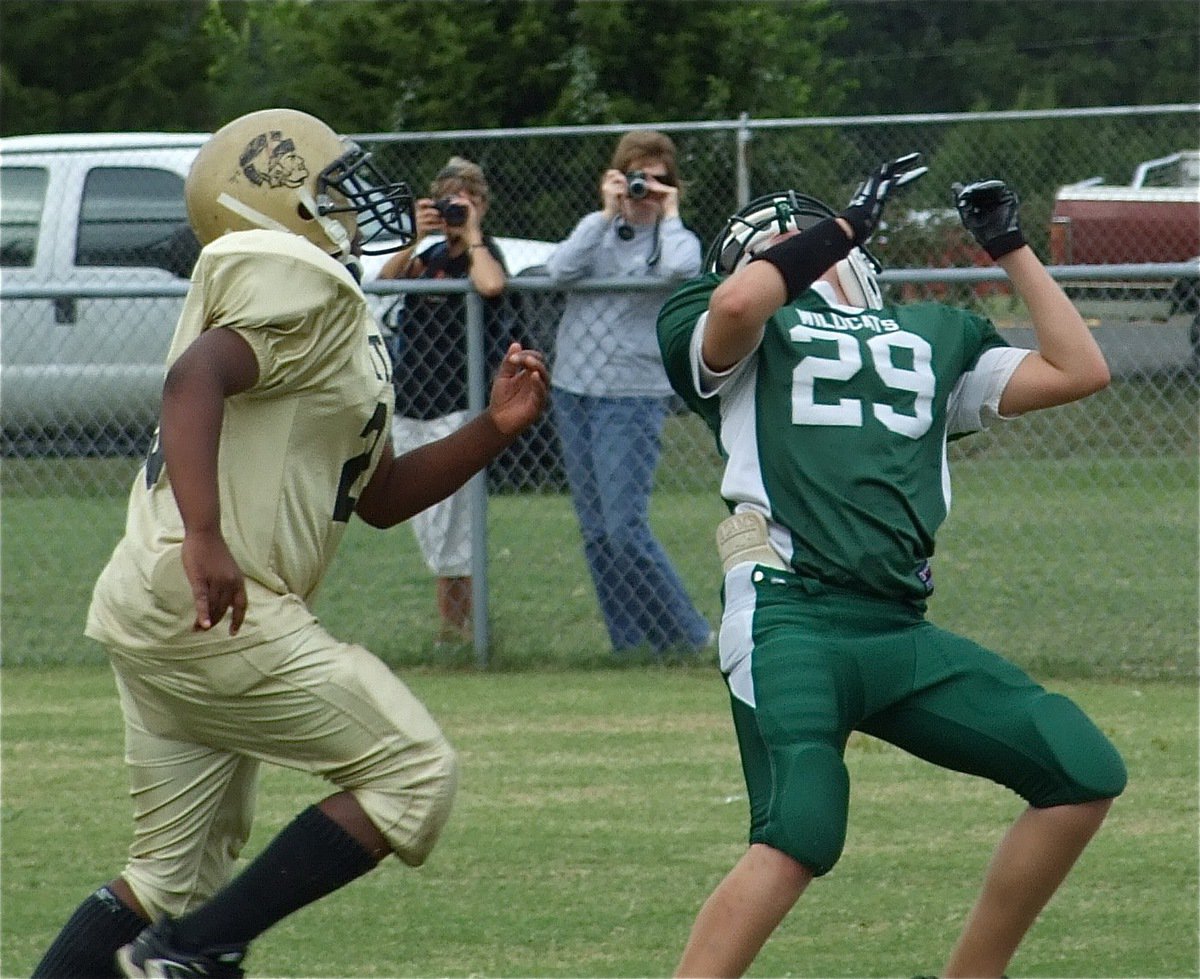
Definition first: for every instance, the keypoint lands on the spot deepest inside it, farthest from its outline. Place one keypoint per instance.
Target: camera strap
(625, 232)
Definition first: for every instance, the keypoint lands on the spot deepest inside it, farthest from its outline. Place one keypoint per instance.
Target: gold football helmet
(287, 170)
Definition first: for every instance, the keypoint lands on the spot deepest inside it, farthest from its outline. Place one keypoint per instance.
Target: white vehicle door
(27, 259)
(133, 231)
(82, 366)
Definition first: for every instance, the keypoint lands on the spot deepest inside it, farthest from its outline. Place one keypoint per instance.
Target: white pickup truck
(79, 211)
(106, 212)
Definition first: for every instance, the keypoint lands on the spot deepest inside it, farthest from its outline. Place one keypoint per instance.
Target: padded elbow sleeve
(804, 258)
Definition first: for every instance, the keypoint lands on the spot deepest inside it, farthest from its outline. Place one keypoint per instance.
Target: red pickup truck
(1155, 218)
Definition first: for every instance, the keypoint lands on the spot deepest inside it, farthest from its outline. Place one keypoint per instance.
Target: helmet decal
(270, 158)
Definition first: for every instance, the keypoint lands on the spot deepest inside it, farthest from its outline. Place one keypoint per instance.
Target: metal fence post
(744, 135)
(477, 487)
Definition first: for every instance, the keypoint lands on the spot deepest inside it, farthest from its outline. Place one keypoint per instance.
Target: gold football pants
(197, 728)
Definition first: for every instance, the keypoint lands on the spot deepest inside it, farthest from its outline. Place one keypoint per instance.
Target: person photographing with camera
(639, 199)
(455, 210)
(429, 351)
(610, 392)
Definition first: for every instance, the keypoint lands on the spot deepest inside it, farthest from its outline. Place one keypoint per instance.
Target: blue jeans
(610, 451)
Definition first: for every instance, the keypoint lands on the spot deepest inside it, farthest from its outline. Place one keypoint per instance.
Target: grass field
(596, 811)
(601, 801)
(1072, 568)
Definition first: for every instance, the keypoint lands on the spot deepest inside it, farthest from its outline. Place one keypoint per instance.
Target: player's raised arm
(776, 268)
(405, 485)
(1068, 364)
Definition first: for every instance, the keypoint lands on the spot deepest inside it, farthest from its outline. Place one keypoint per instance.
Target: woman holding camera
(429, 351)
(610, 393)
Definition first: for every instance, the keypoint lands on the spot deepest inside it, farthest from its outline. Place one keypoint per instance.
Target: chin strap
(334, 230)
(857, 278)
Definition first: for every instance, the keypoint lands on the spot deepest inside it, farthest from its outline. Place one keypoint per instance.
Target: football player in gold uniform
(274, 431)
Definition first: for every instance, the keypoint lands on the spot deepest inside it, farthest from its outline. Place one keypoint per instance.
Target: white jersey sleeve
(707, 381)
(975, 401)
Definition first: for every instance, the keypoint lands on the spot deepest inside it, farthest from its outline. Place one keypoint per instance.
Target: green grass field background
(1117, 597)
(598, 808)
(601, 801)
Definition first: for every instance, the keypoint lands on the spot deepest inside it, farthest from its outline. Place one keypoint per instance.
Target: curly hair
(460, 176)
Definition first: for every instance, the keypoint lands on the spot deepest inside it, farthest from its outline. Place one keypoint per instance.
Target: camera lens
(455, 215)
(636, 181)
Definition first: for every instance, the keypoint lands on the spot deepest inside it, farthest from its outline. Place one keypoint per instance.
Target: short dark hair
(641, 144)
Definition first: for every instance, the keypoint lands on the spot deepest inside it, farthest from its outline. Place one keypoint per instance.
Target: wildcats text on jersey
(837, 321)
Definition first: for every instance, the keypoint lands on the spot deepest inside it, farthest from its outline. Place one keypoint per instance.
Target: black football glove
(991, 212)
(866, 206)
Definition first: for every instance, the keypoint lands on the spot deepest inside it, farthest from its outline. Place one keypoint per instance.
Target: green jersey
(835, 427)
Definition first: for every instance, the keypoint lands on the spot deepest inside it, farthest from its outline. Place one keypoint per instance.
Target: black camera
(454, 214)
(636, 184)
(636, 181)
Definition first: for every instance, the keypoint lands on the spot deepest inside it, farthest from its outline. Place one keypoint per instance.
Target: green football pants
(807, 664)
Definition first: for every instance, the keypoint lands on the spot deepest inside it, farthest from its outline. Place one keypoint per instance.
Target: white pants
(443, 531)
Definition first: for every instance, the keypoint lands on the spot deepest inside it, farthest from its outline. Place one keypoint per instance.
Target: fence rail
(1144, 272)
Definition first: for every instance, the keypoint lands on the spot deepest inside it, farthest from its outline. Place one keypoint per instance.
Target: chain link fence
(1041, 504)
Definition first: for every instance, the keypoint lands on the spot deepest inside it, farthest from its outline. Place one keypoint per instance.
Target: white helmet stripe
(250, 214)
(335, 232)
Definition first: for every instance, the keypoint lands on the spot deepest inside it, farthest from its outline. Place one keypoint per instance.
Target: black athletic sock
(87, 945)
(310, 858)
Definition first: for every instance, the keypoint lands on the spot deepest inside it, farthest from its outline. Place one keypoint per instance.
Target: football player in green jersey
(832, 409)
(274, 433)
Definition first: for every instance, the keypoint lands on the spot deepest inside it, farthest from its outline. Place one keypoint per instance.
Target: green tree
(678, 60)
(375, 66)
(964, 55)
(87, 67)
(381, 65)
(371, 66)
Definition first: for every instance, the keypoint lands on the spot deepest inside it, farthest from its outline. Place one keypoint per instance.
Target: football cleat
(151, 956)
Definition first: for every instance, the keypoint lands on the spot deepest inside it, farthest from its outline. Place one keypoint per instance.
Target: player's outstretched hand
(519, 391)
(217, 582)
(866, 206)
(990, 210)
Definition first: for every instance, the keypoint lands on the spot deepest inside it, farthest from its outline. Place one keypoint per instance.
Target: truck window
(22, 196)
(135, 217)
